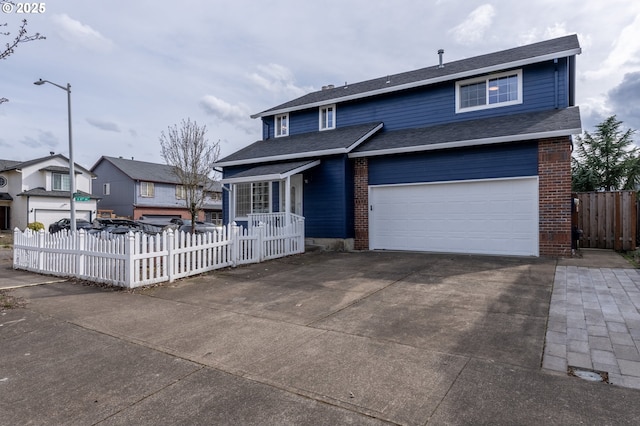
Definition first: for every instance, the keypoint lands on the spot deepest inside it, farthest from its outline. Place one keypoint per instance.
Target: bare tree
(20, 37)
(192, 157)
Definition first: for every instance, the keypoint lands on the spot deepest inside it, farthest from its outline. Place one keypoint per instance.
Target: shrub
(35, 226)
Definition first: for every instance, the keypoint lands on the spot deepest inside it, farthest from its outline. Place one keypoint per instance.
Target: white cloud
(108, 126)
(623, 54)
(236, 115)
(472, 29)
(278, 79)
(79, 34)
(533, 35)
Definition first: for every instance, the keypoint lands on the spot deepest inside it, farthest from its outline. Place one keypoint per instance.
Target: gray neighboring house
(132, 188)
(38, 191)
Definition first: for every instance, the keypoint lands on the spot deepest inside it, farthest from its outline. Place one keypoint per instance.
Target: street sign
(79, 197)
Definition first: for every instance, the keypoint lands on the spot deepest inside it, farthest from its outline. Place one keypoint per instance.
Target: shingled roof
(519, 56)
(307, 145)
(142, 170)
(507, 128)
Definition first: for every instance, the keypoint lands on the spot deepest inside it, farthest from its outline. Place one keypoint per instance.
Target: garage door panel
(492, 217)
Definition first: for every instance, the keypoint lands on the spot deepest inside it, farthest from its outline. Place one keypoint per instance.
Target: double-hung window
(252, 198)
(60, 182)
(146, 189)
(106, 189)
(327, 117)
(489, 92)
(181, 192)
(282, 125)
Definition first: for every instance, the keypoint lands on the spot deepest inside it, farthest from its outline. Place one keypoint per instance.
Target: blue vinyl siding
(435, 104)
(328, 199)
(486, 162)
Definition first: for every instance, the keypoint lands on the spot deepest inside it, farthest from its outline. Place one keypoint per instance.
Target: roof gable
(519, 56)
(6, 165)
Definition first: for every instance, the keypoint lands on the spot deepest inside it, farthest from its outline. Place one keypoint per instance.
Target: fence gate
(608, 220)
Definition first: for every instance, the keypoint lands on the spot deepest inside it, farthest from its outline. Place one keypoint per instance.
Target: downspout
(555, 87)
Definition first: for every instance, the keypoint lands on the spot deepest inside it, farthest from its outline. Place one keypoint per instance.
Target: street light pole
(72, 170)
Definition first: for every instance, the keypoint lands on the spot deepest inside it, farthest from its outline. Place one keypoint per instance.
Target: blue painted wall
(328, 199)
(436, 104)
(484, 162)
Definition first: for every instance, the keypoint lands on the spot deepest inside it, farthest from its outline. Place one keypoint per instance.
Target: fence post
(168, 240)
(234, 240)
(16, 240)
(79, 248)
(260, 242)
(129, 262)
(40, 242)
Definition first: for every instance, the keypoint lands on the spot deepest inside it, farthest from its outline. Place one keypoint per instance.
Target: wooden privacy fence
(137, 259)
(608, 220)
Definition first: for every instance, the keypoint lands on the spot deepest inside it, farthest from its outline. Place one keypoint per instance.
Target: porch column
(287, 200)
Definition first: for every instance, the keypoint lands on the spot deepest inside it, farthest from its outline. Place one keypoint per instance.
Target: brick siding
(361, 197)
(554, 174)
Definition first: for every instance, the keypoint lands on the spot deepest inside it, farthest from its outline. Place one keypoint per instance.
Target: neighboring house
(133, 189)
(470, 156)
(38, 191)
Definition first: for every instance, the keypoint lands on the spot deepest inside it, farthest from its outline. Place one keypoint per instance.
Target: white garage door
(47, 217)
(489, 216)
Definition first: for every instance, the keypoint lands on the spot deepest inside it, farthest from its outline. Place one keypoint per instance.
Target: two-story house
(468, 156)
(39, 191)
(132, 188)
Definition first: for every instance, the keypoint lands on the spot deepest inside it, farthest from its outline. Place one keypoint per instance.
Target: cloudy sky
(136, 67)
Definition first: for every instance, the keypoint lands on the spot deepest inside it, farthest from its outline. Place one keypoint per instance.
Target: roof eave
(420, 83)
(285, 157)
(271, 176)
(467, 143)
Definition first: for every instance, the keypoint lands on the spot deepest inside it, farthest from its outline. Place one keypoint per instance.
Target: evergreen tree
(606, 160)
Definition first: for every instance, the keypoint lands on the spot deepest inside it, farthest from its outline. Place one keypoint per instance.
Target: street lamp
(72, 171)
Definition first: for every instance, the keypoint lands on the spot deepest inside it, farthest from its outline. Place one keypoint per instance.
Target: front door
(295, 194)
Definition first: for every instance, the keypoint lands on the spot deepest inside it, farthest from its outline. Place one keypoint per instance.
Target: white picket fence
(137, 259)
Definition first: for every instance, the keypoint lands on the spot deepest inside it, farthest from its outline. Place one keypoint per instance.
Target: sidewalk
(11, 278)
(594, 319)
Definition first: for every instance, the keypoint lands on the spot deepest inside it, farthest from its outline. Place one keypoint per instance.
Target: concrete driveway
(321, 338)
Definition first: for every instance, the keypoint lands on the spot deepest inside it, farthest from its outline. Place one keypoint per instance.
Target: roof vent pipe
(440, 53)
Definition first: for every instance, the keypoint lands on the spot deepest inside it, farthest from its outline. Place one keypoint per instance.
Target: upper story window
(3, 181)
(282, 125)
(106, 189)
(60, 182)
(252, 198)
(181, 192)
(146, 189)
(489, 91)
(328, 117)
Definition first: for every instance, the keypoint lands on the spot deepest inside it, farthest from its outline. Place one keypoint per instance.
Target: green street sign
(81, 198)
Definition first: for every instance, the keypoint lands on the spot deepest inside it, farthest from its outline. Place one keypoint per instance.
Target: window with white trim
(146, 189)
(327, 117)
(181, 192)
(60, 182)
(489, 92)
(282, 125)
(252, 198)
(106, 189)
